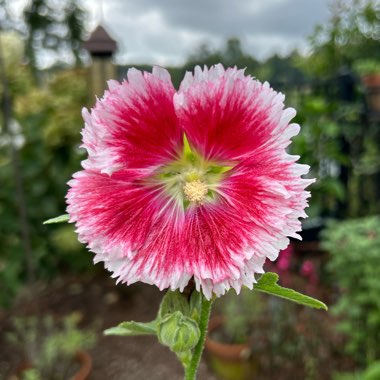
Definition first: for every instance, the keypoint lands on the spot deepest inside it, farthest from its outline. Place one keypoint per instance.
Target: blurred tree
(232, 54)
(283, 72)
(337, 138)
(45, 130)
(352, 33)
(6, 20)
(55, 27)
(203, 55)
(319, 144)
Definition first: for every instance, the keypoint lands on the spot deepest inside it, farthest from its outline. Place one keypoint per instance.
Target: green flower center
(191, 180)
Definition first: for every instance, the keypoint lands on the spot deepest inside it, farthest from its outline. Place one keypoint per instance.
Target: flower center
(195, 191)
(191, 180)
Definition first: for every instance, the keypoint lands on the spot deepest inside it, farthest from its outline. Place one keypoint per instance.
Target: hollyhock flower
(189, 184)
(309, 271)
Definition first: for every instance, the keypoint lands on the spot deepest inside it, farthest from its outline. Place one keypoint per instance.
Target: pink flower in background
(195, 183)
(285, 259)
(309, 271)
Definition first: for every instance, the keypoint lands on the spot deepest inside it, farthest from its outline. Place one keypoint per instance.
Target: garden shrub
(354, 246)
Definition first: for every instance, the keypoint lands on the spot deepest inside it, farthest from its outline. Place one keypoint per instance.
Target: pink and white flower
(189, 184)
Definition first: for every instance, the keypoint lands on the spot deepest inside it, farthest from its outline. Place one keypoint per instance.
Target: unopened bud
(178, 332)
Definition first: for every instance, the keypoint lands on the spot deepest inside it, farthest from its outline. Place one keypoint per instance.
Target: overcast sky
(167, 31)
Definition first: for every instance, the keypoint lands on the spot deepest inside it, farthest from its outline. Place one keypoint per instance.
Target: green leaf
(133, 328)
(268, 284)
(59, 219)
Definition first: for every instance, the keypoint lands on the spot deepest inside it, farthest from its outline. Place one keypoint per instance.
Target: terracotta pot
(371, 82)
(229, 361)
(81, 357)
(85, 361)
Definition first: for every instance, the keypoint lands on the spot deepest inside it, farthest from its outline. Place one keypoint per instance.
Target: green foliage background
(47, 136)
(354, 246)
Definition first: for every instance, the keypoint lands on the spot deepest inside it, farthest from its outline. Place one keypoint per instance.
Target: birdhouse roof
(100, 42)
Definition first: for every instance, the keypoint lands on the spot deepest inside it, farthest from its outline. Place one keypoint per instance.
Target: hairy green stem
(192, 367)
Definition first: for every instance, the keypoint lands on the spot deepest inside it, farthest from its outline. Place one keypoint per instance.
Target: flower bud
(178, 332)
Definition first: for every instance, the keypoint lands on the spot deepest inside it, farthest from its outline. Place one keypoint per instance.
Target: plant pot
(81, 357)
(229, 361)
(371, 82)
(85, 361)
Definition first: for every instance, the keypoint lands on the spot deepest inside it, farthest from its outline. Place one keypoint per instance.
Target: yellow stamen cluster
(195, 191)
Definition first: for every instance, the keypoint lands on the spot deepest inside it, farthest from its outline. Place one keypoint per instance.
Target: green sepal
(59, 219)
(172, 302)
(184, 357)
(187, 152)
(133, 328)
(195, 305)
(268, 284)
(219, 169)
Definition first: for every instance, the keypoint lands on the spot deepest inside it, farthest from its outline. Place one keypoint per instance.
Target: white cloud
(167, 31)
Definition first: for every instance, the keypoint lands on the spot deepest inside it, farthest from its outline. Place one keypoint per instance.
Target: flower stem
(192, 367)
